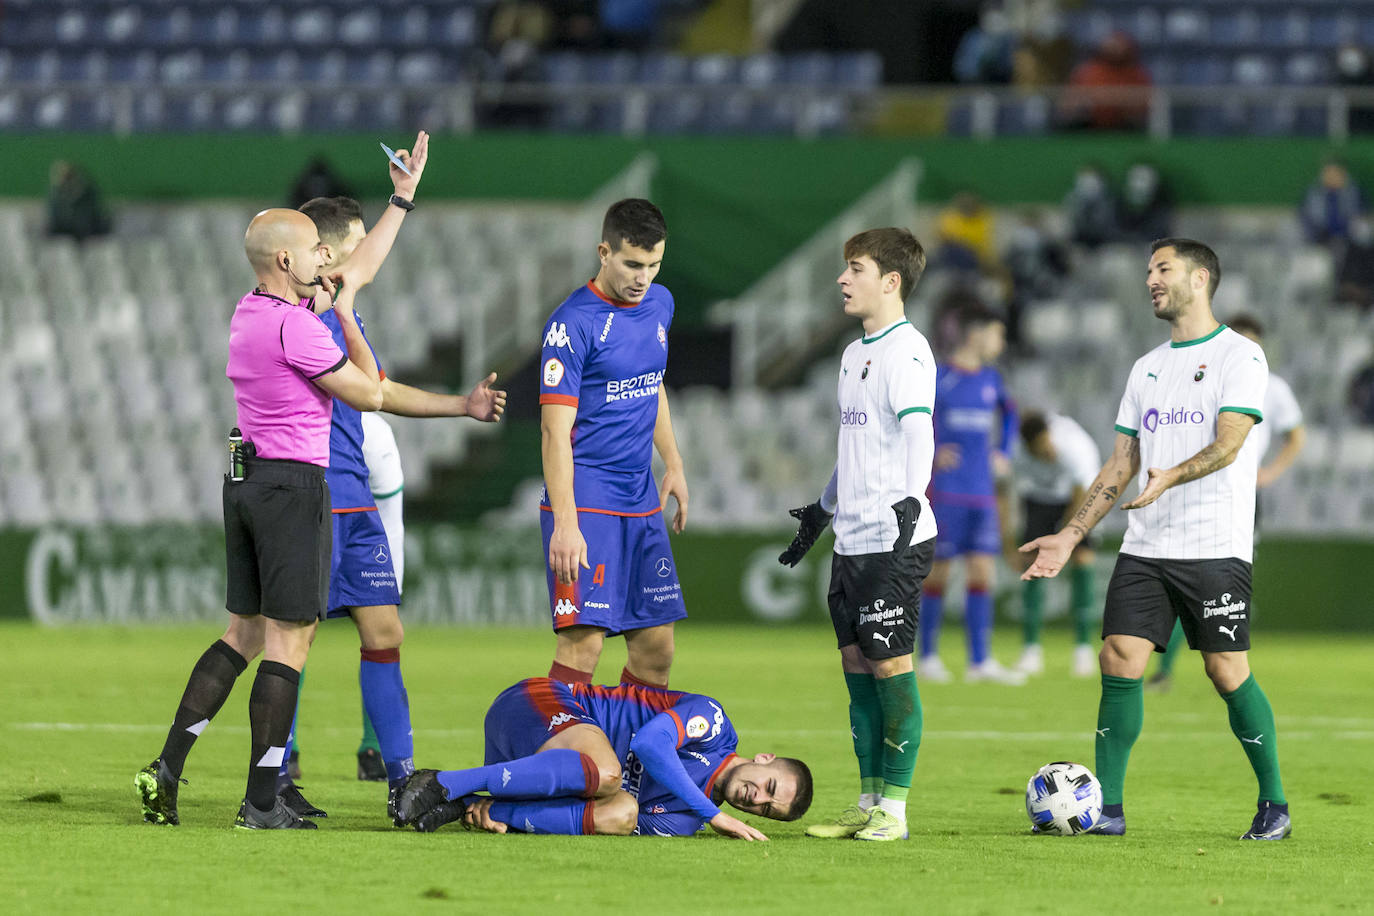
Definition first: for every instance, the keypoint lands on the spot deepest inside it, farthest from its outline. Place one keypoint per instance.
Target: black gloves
(908, 511)
(813, 520)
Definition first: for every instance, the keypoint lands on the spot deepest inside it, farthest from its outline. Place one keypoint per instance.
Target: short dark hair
(974, 313)
(892, 249)
(1196, 254)
(1246, 324)
(801, 802)
(1033, 425)
(634, 220)
(332, 216)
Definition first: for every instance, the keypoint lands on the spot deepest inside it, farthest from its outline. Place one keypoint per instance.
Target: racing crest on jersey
(662, 336)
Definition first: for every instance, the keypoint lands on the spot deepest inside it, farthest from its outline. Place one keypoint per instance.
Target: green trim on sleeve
(1248, 411)
(1126, 432)
(902, 413)
(392, 493)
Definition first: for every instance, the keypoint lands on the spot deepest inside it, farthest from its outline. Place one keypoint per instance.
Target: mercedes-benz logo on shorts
(663, 567)
(380, 554)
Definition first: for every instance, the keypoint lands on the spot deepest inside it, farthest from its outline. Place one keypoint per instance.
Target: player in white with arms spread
(1188, 407)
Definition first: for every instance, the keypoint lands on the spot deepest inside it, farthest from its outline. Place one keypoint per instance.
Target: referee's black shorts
(875, 599)
(278, 537)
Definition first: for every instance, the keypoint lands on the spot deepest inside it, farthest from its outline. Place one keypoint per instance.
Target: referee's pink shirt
(276, 349)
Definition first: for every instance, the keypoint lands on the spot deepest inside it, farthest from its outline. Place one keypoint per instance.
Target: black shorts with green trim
(1211, 598)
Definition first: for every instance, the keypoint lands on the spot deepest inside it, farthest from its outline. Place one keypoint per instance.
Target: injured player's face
(762, 786)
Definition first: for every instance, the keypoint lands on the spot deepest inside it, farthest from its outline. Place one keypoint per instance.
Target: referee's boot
(290, 793)
(158, 788)
(1271, 823)
(279, 817)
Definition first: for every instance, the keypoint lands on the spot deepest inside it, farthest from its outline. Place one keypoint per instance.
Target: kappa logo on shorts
(663, 567)
(562, 718)
(564, 608)
(380, 554)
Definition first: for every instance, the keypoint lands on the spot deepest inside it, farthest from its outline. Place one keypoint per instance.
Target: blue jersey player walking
(603, 411)
(975, 424)
(574, 759)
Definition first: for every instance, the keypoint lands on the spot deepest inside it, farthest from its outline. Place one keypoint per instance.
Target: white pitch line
(331, 731)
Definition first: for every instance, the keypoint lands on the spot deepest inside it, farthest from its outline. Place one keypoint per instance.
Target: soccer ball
(1063, 799)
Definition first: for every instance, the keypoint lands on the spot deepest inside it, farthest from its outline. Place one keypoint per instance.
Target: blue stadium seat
(1235, 28)
(1366, 30)
(678, 113)
(185, 67)
(1284, 30)
(1143, 24)
(959, 119)
(360, 28)
(423, 67)
(715, 69)
(760, 69)
(376, 67)
(122, 25)
(1255, 70)
(664, 69)
(1305, 69)
(330, 67)
(1031, 115)
(1186, 27)
(618, 67)
(313, 28)
(72, 27)
(565, 69)
(457, 29)
(863, 70)
(11, 110)
(1330, 30)
(334, 111)
(264, 28)
(810, 69)
(728, 113)
(139, 67)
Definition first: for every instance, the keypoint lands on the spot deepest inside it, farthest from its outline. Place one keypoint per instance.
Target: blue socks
(928, 624)
(384, 698)
(548, 774)
(978, 623)
(561, 816)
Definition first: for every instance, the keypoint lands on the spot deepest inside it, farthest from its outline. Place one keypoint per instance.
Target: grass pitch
(85, 708)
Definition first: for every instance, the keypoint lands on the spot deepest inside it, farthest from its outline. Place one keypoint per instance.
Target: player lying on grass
(573, 759)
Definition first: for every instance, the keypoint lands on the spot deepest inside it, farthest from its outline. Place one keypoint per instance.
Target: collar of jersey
(1190, 343)
(881, 334)
(618, 303)
(311, 300)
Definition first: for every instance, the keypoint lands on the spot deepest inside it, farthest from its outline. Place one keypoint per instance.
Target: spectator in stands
(517, 35)
(1331, 203)
(1091, 208)
(966, 231)
(75, 206)
(1355, 278)
(1036, 263)
(985, 52)
(1044, 54)
(1147, 207)
(1353, 68)
(1114, 65)
(318, 179)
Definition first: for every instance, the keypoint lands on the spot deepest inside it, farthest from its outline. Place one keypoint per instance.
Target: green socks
(1120, 715)
(901, 704)
(1081, 603)
(1252, 721)
(1032, 610)
(369, 735)
(866, 728)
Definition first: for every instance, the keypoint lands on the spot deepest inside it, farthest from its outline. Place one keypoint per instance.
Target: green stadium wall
(736, 206)
(458, 575)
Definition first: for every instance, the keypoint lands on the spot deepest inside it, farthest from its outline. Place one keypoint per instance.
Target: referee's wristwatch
(399, 201)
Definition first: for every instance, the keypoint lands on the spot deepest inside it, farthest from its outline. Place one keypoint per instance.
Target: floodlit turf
(85, 708)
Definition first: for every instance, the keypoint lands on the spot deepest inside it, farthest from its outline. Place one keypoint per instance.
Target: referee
(286, 369)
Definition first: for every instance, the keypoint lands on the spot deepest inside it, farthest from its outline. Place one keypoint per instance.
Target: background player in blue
(576, 759)
(603, 411)
(362, 582)
(975, 424)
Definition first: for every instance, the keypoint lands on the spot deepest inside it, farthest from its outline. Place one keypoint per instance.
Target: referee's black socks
(206, 690)
(271, 707)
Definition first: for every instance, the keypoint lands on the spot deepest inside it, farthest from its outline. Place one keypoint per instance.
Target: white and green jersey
(882, 379)
(1173, 398)
(1076, 463)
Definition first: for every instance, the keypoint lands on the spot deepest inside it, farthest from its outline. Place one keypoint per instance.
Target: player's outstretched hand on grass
(567, 553)
(908, 511)
(1159, 481)
(415, 160)
(478, 815)
(812, 520)
(1054, 551)
(486, 403)
(675, 485)
(726, 825)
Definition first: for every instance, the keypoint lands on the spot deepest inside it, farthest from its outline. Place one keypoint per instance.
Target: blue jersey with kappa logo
(607, 359)
(975, 415)
(347, 472)
(704, 737)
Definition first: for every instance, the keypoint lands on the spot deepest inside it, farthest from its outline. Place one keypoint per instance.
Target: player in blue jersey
(975, 425)
(362, 582)
(603, 411)
(571, 759)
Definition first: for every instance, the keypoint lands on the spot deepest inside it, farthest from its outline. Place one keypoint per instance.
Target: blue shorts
(965, 529)
(360, 572)
(527, 715)
(632, 582)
